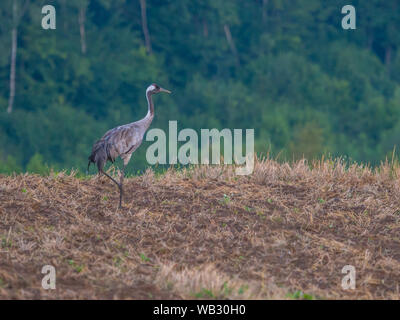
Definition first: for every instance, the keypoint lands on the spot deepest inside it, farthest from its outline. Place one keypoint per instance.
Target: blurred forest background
(283, 67)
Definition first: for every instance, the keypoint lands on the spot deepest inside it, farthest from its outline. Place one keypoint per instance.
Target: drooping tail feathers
(100, 154)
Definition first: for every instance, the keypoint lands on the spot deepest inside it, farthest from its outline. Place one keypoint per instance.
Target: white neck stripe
(150, 88)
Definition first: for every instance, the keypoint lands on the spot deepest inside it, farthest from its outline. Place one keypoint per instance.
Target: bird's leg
(121, 182)
(107, 175)
(118, 184)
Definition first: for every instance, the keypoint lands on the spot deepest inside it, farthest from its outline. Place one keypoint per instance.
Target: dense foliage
(283, 67)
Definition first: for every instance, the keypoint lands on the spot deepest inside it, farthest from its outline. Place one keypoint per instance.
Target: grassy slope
(204, 233)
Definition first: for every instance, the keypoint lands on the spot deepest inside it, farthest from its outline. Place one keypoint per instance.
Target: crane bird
(122, 141)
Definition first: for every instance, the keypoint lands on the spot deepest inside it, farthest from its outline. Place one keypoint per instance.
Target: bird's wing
(123, 140)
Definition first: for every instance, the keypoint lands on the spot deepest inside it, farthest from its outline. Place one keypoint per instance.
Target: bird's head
(155, 88)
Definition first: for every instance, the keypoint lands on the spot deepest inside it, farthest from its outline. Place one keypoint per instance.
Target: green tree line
(283, 67)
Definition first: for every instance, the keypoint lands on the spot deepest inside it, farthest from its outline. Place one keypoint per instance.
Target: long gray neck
(150, 113)
(150, 104)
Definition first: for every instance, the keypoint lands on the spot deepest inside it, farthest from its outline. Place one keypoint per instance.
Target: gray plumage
(122, 141)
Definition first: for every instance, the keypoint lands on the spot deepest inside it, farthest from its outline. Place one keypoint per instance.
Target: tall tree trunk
(82, 19)
(231, 43)
(146, 33)
(14, 45)
(388, 57)
(205, 28)
(264, 10)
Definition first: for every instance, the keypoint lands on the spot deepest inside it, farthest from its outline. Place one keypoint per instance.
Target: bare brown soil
(204, 233)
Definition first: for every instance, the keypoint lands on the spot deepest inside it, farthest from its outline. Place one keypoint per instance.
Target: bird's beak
(164, 90)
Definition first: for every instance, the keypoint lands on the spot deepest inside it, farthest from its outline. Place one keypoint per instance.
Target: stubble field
(284, 232)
